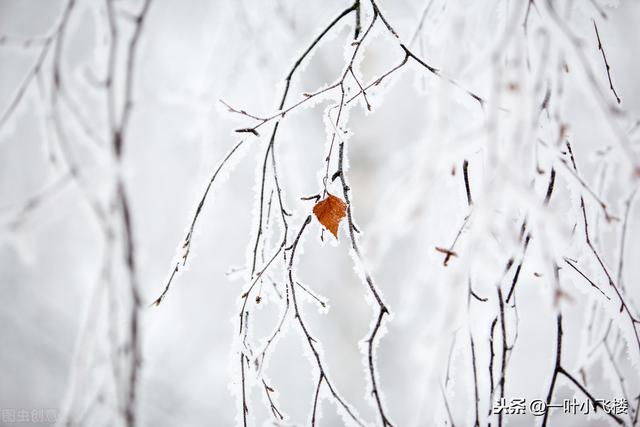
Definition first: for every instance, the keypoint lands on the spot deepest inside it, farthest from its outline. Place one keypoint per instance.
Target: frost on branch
(476, 164)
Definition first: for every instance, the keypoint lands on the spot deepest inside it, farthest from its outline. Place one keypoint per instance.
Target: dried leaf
(330, 212)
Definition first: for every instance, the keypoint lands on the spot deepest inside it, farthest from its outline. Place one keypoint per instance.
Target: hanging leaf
(330, 212)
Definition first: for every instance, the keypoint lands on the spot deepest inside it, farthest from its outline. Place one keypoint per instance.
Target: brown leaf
(330, 212)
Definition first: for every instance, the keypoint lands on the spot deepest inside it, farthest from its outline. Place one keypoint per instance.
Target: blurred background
(66, 302)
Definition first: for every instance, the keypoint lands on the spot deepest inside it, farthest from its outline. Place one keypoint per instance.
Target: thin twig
(606, 63)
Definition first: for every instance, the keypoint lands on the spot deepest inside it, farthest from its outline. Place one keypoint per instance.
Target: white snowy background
(405, 172)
